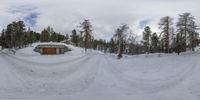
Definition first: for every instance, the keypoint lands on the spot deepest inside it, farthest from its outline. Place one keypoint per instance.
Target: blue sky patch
(31, 19)
(143, 23)
(29, 14)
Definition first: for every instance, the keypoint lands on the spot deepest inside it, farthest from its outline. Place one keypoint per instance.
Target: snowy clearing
(76, 75)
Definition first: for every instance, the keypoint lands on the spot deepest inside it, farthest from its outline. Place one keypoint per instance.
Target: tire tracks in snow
(36, 70)
(77, 81)
(148, 85)
(44, 64)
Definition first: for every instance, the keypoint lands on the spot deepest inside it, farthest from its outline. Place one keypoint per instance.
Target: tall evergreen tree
(74, 37)
(50, 30)
(166, 27)
(132, 44)
(178, 43)
(9, 36)
(67, 37)
(147, 38)
(112, 46)
(3, 39)
(61, 37)
(86, 30)
(193, 36)
(14, 34)
(54, 37)
(45, 36)
(155, 42)
(121, 36)
(186, 29)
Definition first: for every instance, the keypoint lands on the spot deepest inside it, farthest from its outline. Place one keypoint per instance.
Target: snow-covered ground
(76, 75)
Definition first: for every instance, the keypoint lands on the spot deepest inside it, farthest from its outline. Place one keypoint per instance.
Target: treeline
(123, 41)
(16, 35)
(176, 37)
(49, 35)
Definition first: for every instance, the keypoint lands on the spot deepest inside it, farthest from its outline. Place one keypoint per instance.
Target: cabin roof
(51, 45)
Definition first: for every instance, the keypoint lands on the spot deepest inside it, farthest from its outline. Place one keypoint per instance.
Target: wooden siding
(49, 51)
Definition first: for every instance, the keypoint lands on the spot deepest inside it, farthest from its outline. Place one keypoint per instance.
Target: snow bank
(77, 75)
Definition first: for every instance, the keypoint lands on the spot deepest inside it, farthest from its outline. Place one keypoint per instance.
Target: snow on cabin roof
(51, 44)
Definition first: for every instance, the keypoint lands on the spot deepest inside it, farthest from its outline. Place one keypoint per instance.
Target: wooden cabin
(51, 48)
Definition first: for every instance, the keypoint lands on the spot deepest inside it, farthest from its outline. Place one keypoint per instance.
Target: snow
(77, 75)
(49, 43)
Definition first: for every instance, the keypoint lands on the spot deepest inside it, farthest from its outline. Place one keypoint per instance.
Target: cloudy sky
(105, 15)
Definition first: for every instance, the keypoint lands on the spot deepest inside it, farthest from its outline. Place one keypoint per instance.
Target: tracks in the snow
(71, 77)
(42, 63)
(80, 72)
(149, 85)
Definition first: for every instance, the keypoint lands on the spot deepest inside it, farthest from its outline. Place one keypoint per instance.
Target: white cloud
(105, 15)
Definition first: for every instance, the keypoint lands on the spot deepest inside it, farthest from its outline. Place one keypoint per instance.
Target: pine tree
(50, 30)
(121, 36)
(132, 44)
(60, 37)
(3, 39)
(147, 38)
(54, 37)
(45, 36)
(74, 37)
(166, 27)
(86, 30)
(16, 36)
(178, 43)
(112, 46)
(193, 36)
(67, 37)
(186, 29)
(9, 36)
(154, 42)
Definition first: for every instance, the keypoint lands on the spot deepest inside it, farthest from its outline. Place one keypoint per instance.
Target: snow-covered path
(97, 76)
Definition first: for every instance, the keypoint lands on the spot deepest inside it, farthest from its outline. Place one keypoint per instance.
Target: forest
(177, 37)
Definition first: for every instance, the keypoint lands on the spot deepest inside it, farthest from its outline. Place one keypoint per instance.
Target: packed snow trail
(145, 80)
(51, 80)
(97, 76)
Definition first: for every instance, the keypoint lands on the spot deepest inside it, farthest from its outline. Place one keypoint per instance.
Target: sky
(105, 15)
